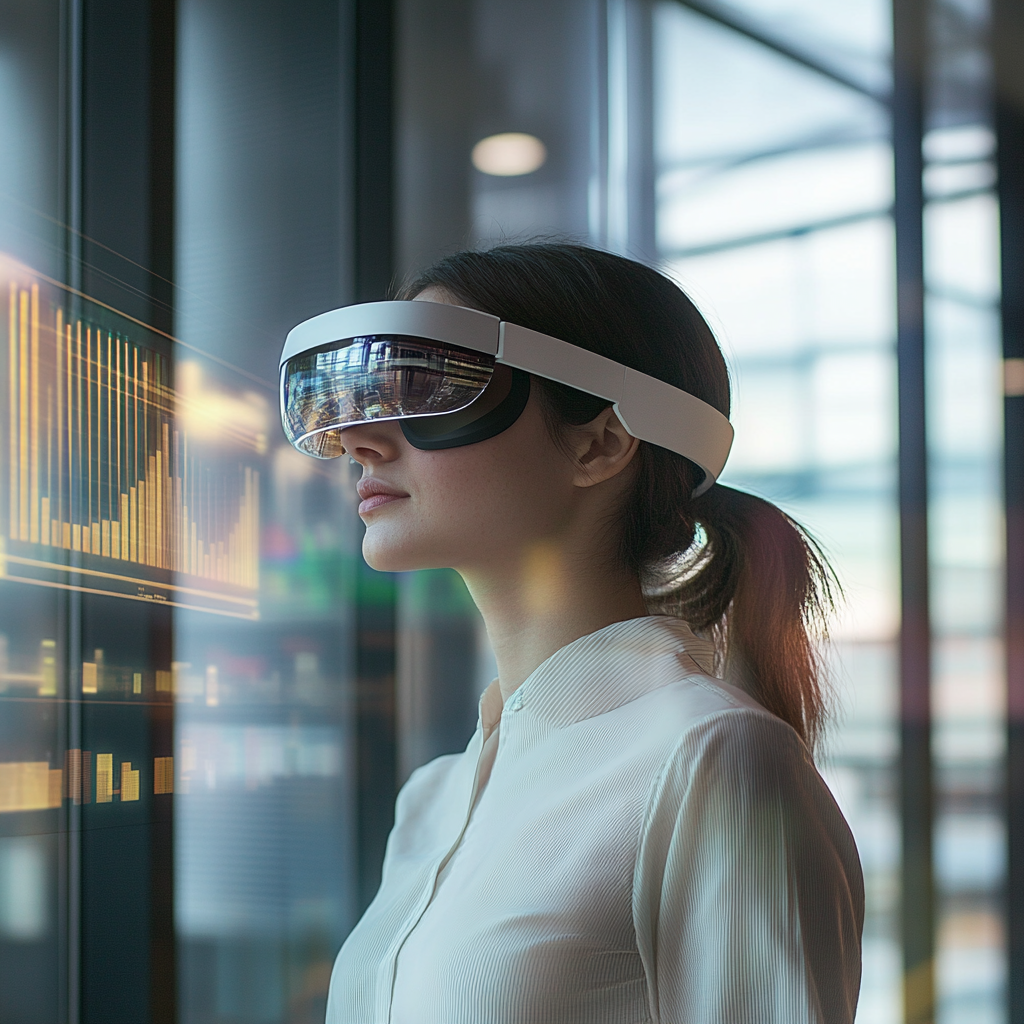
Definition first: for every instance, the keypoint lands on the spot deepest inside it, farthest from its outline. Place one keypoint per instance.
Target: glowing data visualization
(132, 464)
(35, 786)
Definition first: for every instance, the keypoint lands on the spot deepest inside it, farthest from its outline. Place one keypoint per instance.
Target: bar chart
(118, 481)
(35, 786)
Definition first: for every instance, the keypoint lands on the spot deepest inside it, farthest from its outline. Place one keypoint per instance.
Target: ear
(602, 449)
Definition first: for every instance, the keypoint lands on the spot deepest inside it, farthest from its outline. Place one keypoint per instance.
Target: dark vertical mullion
(910, 19)
(163, 985)
(122, 186)
(163, 979)
(374, 259)
(1008, 43)
(640, 119)
(374, 173)
(162, 84)
(69, 608)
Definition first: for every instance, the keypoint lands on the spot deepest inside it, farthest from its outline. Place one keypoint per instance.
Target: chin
(386, 552)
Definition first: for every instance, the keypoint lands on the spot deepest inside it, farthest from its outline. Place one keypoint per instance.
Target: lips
(375, 493)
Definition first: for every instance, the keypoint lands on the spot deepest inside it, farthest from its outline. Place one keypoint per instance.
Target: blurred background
(186, 625)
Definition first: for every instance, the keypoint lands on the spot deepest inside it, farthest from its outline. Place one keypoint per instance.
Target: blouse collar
(604, 670)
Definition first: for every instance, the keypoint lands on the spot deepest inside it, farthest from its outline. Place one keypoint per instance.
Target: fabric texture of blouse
(626, 840)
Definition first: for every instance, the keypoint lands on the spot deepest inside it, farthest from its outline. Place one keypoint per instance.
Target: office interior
(208, 701)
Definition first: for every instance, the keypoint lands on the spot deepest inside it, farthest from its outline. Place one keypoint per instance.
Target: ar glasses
(453, 376)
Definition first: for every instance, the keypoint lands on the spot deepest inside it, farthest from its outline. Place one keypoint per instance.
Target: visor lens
(376, 378)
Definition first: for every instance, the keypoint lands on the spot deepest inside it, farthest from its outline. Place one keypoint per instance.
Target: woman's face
(485, 504)
(465, 507)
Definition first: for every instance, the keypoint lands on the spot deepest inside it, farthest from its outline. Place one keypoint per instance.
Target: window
(207, 701)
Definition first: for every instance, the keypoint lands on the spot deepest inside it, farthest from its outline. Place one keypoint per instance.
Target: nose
(373, 443)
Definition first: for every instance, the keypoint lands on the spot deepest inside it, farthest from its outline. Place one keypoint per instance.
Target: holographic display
(130, 468)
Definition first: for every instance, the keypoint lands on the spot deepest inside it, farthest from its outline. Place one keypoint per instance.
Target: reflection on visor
(375, 378)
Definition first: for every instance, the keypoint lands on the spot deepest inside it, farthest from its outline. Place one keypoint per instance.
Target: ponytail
(734, 566)
(739, 570)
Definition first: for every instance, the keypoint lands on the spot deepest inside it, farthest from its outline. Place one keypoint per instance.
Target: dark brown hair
(733, 565)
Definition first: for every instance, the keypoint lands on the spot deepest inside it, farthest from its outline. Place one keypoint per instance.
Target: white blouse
(627, 840)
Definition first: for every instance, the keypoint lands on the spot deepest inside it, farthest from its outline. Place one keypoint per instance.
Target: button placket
(427, 897)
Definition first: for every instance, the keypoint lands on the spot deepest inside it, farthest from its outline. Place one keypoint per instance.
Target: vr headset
(453, 376)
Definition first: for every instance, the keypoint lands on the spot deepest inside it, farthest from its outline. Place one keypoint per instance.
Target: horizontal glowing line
(78, 700)
(129, 597)
(156, 330)
(37, 564)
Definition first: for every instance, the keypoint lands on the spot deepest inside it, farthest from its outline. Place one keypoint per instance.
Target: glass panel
(466, 72)
(265, 831)
(966, 521)
(965, 442)
(851, 36)
(964, 353)
(187, 634)
(33, 846)
(773, 189)
(177, 585)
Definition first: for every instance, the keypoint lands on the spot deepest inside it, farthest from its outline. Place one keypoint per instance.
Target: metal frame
(69, 606)
(122, 200)
(1008, 45)
(752, 30)
(376, 758)
(917, 890)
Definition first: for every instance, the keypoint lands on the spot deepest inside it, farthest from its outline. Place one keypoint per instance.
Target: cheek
(477, 503)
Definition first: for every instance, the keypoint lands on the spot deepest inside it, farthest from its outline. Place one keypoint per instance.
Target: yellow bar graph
(129, 782)
(29, 786)
(33, 523)
(133, 522)
(12, 400)
(163, 775)
(104, 778)
(100, 460)
(78, 776)
(35, 786)
(124, 527)
(23, 411)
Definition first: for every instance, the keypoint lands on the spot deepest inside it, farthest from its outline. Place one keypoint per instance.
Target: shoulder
(696, 726)
(725, 759)
(741, 786)
(744, 779)
(709, 745)
(746, 863)
(697, 714)
(740, 733)
(734, 752)
(694, 696)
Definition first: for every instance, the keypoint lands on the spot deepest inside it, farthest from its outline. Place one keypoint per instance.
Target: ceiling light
(509, 154)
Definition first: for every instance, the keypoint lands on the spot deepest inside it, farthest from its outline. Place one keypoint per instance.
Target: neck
(545, 600)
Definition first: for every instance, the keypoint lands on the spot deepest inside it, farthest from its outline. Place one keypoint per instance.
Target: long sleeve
(748, 893)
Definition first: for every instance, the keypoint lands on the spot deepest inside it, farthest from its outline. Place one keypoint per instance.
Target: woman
(627, 837)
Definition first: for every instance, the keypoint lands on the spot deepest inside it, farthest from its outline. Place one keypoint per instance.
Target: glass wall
(745, 147)
(33, 731)
(177, 585)
(205, 696)
(966, 525)
(774, 189)
(774, 186)
(265, 811)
